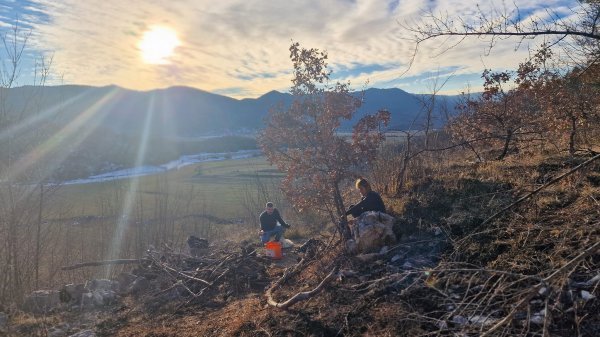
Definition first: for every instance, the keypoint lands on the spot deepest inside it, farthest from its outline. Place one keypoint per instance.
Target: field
(220, 188)
(122, 218)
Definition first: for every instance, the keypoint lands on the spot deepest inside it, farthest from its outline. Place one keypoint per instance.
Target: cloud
(240, 47)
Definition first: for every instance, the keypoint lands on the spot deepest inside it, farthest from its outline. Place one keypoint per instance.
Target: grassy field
(219, 188)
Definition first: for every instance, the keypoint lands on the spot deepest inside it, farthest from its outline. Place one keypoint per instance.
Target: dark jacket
(371, 202)
(269, 221)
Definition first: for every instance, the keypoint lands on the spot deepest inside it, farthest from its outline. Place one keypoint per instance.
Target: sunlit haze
(240, 48)
(157, 45)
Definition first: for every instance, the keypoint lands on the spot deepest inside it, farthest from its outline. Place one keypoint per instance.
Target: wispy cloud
(240, 47)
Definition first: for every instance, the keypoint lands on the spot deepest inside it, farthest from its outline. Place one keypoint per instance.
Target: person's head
(269, 207)
(363, 186)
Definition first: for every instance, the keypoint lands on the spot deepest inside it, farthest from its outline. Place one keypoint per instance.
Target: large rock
(72, 293)
(41, 301)
(372, 231)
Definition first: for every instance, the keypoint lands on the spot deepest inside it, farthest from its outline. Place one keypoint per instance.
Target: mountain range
(183, 111)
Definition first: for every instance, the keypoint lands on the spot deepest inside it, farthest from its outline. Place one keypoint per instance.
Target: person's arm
(279, 219)
(357, 209)
(262, 221)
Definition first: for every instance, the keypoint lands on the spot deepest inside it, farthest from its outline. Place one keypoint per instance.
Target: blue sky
(240, 47)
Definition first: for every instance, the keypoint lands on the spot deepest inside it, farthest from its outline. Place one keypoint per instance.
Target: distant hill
(182, 111)
(83, 130)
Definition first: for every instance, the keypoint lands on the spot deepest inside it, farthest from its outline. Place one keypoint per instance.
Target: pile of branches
(219, 274)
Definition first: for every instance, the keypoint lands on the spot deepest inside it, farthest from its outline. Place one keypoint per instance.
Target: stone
(372, 231)
(460, 320)
(103, 297)
(396, 257)
(101, 284)
(84, 333)
(41, 301)
(586, 295)
(87, 300)
(538, 317)
(72, 293)
(125, 280)
(139, 286)
(482, 320)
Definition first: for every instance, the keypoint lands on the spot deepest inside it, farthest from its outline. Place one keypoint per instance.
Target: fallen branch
(302, 296)
(102, 263)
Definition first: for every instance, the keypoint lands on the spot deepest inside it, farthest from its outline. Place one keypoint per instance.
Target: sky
(240, 48)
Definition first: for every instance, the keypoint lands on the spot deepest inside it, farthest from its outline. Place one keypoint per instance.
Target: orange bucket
(273, 250)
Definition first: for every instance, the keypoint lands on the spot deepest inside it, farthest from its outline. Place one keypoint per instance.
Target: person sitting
(268, 224)
(371, 200)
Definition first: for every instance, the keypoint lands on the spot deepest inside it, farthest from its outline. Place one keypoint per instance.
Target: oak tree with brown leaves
(304, 140)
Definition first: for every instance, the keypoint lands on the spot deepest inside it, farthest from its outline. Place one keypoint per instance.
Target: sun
(158, 44)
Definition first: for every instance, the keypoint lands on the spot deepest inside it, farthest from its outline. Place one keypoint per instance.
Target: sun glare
(158, 44)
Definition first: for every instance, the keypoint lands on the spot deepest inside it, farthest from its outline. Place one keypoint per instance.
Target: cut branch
(302, 296)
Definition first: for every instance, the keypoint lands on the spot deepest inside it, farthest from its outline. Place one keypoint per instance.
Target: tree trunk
(507, 140)
(572, 135)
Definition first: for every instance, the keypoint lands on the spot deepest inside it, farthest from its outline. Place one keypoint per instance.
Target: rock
(103, 297)
(586, 295)
(460, 320)
(101, 284)
(407, 265)
(396, 258)
(125, 280)
(538, 317)
(72, 293)
(372, 231)
(84, 333)
(287, 243)
(482, 320)
(139, 286)
(87, 300)
(41, 301)
(383, 250)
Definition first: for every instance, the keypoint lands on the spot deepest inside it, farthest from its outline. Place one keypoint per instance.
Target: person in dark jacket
(268, 223)
(371, 200)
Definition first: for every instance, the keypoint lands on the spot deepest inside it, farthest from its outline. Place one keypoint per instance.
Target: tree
(578, 32)
(510, 111)
(305, 142)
